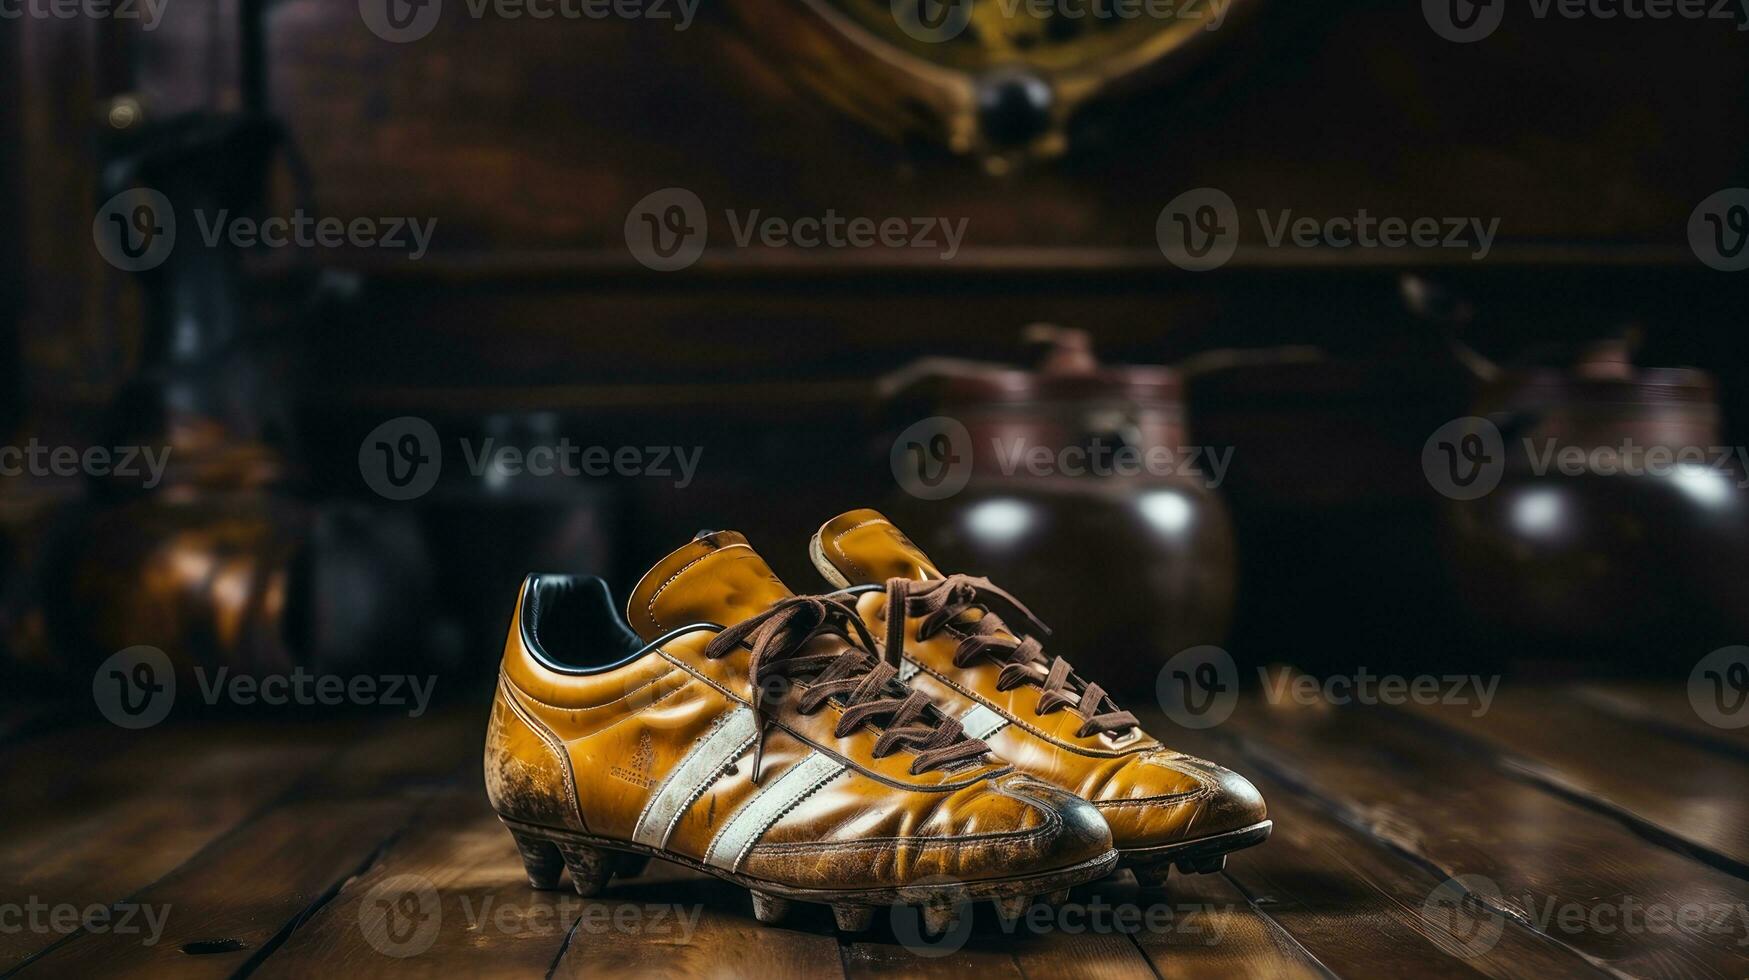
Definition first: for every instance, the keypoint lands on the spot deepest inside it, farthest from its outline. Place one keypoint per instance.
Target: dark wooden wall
(521, 136)
(1590, 140)
(527, 142)
(11, 244)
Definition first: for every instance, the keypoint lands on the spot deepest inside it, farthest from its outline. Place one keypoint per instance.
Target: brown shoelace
(866, 686)
(946, 602)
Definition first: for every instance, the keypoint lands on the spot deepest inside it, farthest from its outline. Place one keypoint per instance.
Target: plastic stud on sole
(1204, 865)
(1010, 909)
(853, 918)
(1154, 875)
(769, 909)
(589, 868)
(542, 861)
(939, 917)
(629, 865)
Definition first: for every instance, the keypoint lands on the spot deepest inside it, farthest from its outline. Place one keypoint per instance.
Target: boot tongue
(864, 548)
(715, 578)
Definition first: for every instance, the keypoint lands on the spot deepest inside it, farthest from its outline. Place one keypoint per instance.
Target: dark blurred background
(535, 145)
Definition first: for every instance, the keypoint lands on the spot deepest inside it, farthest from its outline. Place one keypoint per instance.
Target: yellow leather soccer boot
(755, 735)
(1165, 808)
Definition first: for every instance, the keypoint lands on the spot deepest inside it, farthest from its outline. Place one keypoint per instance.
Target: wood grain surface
(1408, 843)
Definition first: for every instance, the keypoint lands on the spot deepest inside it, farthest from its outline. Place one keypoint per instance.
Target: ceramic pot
(1619, 518)
(1081, 496)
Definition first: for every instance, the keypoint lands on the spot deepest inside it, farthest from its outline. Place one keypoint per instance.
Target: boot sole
(592, 861)
(1206, 855)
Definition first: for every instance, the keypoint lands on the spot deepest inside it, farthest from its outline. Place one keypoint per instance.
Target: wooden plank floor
(1587, 830)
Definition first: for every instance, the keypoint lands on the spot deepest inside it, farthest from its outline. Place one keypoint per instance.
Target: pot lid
(1603, 373)
(1064, 369)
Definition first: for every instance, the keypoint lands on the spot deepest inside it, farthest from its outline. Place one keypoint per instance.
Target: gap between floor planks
(239, 894)
(1425, 795)
(95, 814)
(1672, 791)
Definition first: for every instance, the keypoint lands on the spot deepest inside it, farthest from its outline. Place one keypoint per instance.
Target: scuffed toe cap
(1167, 797)
(1011, 826)
(1083, 834)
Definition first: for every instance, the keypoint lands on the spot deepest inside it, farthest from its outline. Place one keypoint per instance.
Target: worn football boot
(755, 735)
(1165, 808)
